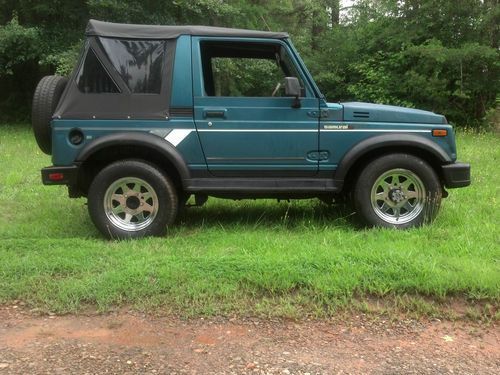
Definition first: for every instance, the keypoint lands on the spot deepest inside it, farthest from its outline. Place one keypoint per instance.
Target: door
(247, 127)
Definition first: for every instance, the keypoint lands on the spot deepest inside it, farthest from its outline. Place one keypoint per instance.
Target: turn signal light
(56, 176)
(439, 132)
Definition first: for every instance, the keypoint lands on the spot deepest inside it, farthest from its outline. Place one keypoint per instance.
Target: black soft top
(129, 31)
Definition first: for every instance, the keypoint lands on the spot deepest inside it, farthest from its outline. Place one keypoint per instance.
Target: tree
(431, 54)
(440, 55)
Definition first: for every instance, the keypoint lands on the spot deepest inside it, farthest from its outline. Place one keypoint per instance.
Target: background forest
(440, 55)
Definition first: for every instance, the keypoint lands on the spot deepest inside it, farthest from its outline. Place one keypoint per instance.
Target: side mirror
(292, 88)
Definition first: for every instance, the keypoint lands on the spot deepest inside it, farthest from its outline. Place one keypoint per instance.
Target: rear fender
(145, 140)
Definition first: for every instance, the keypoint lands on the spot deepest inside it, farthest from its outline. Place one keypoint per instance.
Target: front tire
(132, 199)
(397, 191)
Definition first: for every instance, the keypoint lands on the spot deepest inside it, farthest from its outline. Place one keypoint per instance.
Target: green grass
(244, 257)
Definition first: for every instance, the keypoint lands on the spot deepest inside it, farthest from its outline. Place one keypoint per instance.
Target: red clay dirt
(130, 343)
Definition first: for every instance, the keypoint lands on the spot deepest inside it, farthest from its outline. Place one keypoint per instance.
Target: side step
(262, 185)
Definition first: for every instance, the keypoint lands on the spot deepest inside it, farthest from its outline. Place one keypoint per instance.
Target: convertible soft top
(125, 71)
(129, 31)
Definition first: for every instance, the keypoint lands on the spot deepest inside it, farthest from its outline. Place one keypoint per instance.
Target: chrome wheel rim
(131, 204)
(398, 196)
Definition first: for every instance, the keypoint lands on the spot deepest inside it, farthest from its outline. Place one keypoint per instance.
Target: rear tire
(47, 94)
(397, 191)
(132, 199)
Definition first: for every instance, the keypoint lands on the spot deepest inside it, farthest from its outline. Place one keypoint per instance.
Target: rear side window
(92, 78)
(139, 62)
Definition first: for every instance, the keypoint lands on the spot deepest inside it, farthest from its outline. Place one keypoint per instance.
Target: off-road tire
(124, 182)
(45, 99)
(386, 202)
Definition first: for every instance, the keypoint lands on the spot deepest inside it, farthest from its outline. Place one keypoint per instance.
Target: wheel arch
(365, 151)
(131, 145)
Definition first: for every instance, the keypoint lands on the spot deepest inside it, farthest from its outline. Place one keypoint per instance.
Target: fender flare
(384, 141)
(146, 140)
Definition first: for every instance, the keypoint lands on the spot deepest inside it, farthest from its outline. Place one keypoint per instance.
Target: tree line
(440, 55)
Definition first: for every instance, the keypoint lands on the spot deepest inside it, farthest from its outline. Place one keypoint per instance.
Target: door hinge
(322, 113)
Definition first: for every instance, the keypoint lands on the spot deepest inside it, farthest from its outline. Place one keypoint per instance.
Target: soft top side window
(92, 77)
(139, 62)
(245, 69)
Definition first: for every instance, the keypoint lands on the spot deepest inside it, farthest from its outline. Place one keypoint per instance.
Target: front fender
(387, 141)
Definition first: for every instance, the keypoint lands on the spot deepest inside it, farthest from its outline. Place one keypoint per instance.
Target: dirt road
(130, 343)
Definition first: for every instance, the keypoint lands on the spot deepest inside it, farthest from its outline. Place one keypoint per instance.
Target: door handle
(214, 113)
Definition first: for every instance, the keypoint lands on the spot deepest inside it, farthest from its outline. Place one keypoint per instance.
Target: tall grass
(248, 257)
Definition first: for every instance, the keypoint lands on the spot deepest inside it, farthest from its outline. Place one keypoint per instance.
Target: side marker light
(439, 132)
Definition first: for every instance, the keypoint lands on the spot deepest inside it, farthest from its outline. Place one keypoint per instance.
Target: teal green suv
(153, 115)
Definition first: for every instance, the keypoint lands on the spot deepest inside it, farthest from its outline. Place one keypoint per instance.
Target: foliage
(245, 77)
(436, 55)
(440, 55)
(64, 61)
(20, 49)
(460, 82)
(18, 45)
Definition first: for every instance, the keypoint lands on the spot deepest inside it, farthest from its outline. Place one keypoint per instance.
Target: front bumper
(456, 175)
(60, 175)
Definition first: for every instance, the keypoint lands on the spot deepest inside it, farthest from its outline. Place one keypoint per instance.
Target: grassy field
(246, 257)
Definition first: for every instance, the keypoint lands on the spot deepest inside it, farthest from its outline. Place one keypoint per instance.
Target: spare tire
(45, 100)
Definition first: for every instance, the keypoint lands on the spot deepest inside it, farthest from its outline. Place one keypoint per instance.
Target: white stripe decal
(176, 136)
(376, 130)
(313, 130)
(261, 130)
